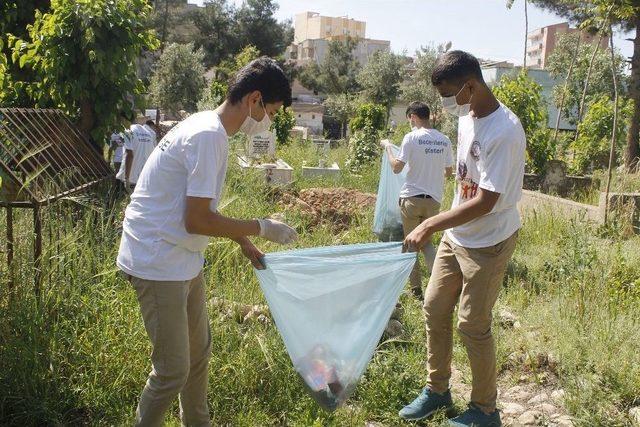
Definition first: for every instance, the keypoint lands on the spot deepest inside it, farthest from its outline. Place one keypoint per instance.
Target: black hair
(262, 74)
(456, 67)
(420, 109)
(150, 123)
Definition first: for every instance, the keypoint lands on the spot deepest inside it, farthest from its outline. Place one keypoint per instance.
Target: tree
(83, 55)
(212, 96)
(342, 108)
(600, 80)
(592, 147)
(419, 88)
(258, 26)
(622, 13)
(380, 79)
(178, 80)
(526, 28)
(217, 32)
(337, 73)
(229, 68)
(369, 116)
(522, 95)
(283, 122)
(172, 22)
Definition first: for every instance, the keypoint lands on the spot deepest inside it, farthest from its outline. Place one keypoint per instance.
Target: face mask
(251, 126)
(450, 105)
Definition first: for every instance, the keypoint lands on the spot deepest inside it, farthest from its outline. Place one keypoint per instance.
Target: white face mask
(252, 127)
(450, 105)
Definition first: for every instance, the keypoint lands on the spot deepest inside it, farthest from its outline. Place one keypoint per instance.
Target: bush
(363, 148)
(213, 96)
(283, 122)
(369, 115)
(591, 149)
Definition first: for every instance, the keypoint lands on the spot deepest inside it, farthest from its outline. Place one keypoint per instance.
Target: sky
(485, 28)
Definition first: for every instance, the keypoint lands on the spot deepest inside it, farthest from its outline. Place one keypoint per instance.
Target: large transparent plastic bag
(331, 306)
(387, 222)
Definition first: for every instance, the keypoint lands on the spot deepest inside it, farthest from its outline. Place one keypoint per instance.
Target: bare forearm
(127, 166)
(217, 225)
(462, 214)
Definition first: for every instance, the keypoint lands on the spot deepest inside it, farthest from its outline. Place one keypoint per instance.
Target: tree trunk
(164, 25)
(632, 154)
(614, 135)
(566, 84)
(526, 33)
(586, 83)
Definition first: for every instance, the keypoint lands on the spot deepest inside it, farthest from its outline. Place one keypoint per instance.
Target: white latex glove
(385, 143)
(277, 231)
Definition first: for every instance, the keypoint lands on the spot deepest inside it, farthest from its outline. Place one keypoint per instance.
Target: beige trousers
(414, 210)
(175, 317)
(472, 278)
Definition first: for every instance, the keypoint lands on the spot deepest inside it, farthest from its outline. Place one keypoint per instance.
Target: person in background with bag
(172, 213)
(428, 155)
(481, 231)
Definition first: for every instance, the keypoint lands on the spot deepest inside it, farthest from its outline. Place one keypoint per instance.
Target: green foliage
(363, 148)
(230, 67)
(591, 149)
(600, 80)
(338, 72)
(522, 95)
(178, 80)
(342, 108)
(380, 79)
(83, 54)
(217, 31)
(369, 116)
(283, 122)
(257, 26)
(213, 96)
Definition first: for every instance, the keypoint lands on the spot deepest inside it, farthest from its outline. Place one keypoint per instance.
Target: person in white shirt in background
(116, 147)
(172, 213)
(480, 238)
(139, 142)
(428, 155)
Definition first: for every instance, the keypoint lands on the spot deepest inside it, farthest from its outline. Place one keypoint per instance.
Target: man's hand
(277, 231)
(385, 143)
(419, 237)
(252, 253)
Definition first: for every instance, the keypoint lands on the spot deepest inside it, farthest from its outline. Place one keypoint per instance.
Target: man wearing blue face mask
(166, 229)
(480, 237)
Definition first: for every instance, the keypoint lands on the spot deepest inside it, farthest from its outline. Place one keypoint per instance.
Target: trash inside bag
(331, 305)
(387, 221)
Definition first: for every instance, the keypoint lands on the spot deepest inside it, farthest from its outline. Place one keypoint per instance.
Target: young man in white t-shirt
(139, 142)
(428, 155)
(480, 238)
(166, 229)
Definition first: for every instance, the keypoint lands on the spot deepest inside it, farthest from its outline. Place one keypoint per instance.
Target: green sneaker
(474, 417)
(426, 404)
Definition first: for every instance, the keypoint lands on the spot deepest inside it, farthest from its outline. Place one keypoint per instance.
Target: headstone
(263, 144)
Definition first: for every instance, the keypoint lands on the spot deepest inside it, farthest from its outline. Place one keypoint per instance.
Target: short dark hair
(420, 109)
(262, 74)
(150, 123)
(456, 66)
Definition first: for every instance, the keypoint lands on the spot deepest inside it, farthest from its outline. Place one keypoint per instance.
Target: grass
(78, 354)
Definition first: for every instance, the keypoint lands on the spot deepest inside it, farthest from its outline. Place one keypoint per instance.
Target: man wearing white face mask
(166, 229)
(480, 238)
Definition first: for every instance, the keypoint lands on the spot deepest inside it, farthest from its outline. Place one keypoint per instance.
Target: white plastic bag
(387, 222)
(331, 306)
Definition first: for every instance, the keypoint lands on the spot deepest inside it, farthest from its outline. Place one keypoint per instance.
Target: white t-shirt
(491, 155)
(191, 160)
(426, 153)
(117, 142)
(141, 140)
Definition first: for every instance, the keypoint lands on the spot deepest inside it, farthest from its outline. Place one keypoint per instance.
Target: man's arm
(480, 205)
(128, 162)
(199, 219)
(396, 165)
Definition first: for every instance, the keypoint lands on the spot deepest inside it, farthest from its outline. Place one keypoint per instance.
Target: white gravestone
(263, 144)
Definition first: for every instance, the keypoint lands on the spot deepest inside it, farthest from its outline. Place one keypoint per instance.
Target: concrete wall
(311, 120)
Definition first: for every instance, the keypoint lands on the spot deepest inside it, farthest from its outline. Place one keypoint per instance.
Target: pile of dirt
(334, 206)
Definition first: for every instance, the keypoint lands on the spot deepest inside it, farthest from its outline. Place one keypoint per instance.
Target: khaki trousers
(414, 210)
(472, 278)
(175, 317)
